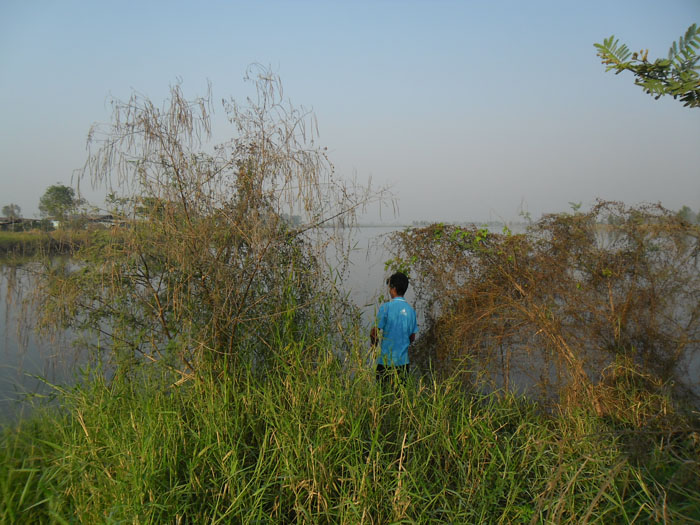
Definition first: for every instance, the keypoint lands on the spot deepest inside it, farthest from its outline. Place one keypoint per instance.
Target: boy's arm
(412, 337)
(379, 325)
(373, 336)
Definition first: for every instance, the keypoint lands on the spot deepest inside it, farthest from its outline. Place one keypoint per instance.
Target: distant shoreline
(34, 243)
(422, 224)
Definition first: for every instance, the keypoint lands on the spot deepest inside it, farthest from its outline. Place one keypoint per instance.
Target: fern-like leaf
(612, 53)
(678, 76)
(684, 50)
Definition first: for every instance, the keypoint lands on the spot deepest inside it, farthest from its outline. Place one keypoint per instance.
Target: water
(27, 363)
(366, 277)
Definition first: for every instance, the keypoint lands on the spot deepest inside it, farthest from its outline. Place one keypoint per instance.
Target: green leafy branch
(399, 264)
(677, 75)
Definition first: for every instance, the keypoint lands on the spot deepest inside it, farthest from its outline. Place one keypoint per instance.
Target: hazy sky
(470, 110)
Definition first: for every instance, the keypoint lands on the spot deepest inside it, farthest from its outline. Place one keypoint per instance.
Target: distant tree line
(58, 203)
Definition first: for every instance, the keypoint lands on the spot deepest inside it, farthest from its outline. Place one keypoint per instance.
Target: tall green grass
(310, 443)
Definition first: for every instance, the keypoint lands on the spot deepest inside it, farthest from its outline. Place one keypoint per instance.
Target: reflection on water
(27, 363)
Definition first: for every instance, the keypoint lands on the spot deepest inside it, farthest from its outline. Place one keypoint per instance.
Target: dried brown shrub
(555, 306)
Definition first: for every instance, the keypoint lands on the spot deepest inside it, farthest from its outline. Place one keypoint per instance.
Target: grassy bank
(311, 444)
(35, 242)
(23, 243)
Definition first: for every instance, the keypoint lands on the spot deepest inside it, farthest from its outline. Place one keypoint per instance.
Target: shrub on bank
(574, 306)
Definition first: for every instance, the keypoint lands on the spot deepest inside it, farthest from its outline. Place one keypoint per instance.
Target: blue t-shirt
(397, 321)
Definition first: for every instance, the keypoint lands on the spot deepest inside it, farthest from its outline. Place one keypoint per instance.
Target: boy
(397, 322)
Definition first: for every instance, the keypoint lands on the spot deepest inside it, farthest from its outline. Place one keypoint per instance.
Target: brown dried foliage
(577, 307)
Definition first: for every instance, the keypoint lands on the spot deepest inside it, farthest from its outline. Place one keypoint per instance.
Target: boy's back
(397, 321)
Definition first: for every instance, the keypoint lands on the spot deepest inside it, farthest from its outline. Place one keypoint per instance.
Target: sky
(468, 110)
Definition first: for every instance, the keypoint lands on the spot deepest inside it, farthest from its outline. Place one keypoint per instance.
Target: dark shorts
(386, 374)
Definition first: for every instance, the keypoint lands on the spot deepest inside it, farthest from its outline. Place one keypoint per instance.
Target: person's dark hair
(399, 282)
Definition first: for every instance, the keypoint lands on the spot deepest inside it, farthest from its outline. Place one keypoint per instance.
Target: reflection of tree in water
(28, 363)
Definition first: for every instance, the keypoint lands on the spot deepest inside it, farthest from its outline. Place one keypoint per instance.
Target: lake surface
(27, 363)
(366, 277)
